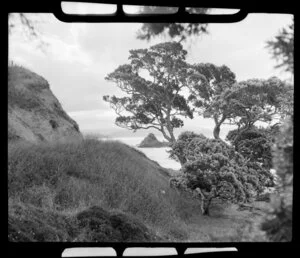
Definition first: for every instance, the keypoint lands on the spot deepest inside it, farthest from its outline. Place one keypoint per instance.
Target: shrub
(215, 170)
(255, 143)
(178, 148)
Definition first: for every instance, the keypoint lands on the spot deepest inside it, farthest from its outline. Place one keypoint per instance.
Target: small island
(151, 142)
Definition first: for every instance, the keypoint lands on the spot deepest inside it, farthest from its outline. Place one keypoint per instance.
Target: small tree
(216, 170)
(208, 88)
(154, 100)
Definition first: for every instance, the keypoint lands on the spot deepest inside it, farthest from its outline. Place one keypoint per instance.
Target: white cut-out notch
(88, 251)
(209, 250)
(149, 251)
(80, 8)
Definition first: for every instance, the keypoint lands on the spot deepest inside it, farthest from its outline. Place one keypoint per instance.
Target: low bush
(216, 170)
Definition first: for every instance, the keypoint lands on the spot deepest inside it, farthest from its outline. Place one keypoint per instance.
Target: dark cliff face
(151, 142)
(34, 113)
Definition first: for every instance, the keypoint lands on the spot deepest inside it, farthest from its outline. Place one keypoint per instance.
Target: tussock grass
(67, 178)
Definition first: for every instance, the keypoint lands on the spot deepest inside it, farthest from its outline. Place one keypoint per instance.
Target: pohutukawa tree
(153, 81)
(208, 87)
(255, 101)
(255, 143)
(216, 170)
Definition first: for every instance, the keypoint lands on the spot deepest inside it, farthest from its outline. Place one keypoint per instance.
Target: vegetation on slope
(91, 191)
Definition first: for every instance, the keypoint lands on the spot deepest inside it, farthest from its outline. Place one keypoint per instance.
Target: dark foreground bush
(99, 225)
(92, 225)
(31, 224)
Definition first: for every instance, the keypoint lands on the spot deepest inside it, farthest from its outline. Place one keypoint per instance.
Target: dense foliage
(216, 170)
(178, 148)
(254, 100)
(278, 223)
(255, 143)
(156, 102)
(179, 31)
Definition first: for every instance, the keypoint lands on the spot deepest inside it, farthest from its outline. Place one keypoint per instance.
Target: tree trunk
(205, 200)
(168, 138)
(218, 124)
(217, 131)
(182, 160)
(205, 206)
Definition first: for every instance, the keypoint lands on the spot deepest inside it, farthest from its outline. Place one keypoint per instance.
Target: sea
(160, 155)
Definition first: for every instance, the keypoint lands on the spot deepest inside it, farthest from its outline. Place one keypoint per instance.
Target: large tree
(176, 31)
(153, 81)
(208, 87)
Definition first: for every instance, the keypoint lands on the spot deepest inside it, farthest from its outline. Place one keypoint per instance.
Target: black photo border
(37, 249)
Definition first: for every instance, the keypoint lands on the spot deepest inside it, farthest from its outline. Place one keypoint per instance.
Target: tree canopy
(254, 100)
(180, 31)
(153, 80)
(208, 88)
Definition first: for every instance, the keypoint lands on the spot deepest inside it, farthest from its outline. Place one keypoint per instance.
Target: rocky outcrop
(151, 142)
(34, 113)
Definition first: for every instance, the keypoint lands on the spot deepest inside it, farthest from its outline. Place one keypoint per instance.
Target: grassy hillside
(77, 191)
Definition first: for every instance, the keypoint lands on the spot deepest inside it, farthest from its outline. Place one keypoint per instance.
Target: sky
(78, 56)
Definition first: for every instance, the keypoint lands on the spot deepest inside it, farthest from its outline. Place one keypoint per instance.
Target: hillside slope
(34, 113)
(49, 185)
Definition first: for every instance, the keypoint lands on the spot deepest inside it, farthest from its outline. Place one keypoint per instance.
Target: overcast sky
(79, 56)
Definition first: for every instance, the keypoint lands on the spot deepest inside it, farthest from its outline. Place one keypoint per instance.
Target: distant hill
(34, 113)
(151, 141)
